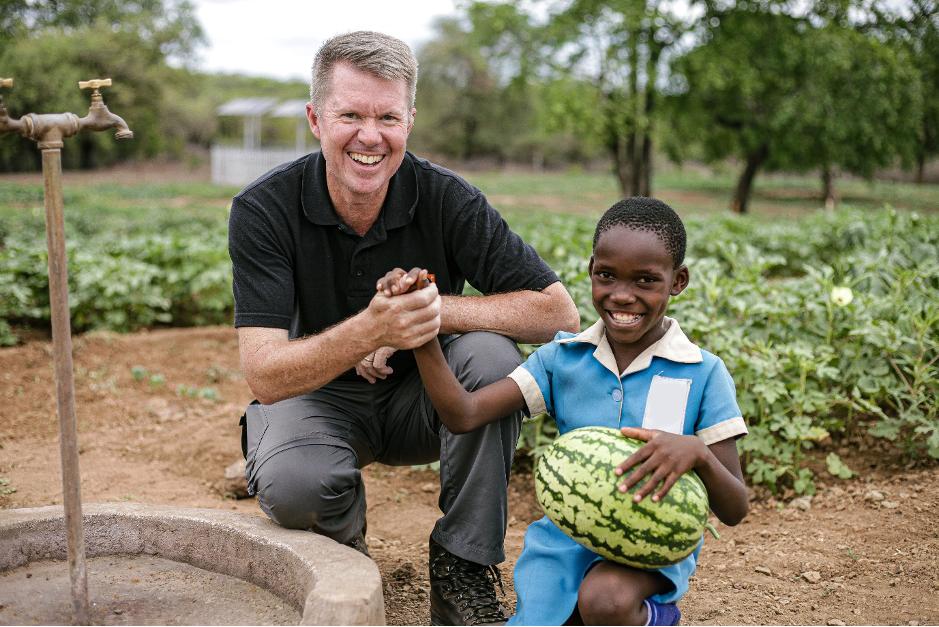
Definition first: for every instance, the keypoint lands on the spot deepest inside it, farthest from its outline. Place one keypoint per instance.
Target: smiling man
(328, 357)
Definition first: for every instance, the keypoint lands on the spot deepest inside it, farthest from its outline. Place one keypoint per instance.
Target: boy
(634, 370)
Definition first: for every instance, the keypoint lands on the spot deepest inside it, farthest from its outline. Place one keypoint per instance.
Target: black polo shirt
(298, 266)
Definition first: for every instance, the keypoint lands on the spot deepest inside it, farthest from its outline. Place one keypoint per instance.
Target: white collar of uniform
(674, 346)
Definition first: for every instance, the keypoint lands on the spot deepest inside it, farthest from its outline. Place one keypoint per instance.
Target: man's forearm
(527, 316)
(277, 368)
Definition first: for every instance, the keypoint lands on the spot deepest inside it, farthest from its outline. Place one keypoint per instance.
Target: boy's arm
(460, 411)
(463, 411)
(667, 456)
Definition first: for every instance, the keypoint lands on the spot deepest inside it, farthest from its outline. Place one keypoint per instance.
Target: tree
(456, 93)
(915, 26)
(795, 92)
(59, 43)
(619, 48)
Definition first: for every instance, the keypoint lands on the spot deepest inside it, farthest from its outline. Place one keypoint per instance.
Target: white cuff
(530, 391)
(732, 428)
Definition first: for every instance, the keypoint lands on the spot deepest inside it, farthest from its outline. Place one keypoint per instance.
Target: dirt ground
(157, 414)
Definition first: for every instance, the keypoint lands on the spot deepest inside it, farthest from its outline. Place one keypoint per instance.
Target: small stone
(429, 487)
(790, 514)
(812, 576)
(874, 496)
(405, 571)
(236, 483)
(803, 503)
(889, 504)
(118, 610)
(763, 570)
(835, 622)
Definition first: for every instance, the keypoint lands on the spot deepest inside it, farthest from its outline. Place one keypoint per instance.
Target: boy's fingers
(635, 476)
(387, 283)
(639, 433)
(633, 460)
(669, 482)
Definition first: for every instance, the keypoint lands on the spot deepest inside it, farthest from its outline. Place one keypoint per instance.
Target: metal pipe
(64, 381)
(49, 129)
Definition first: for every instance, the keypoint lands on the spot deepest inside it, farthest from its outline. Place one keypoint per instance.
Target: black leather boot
(463, 592)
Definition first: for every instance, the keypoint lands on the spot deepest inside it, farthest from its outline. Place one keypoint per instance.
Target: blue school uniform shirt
(672, 386)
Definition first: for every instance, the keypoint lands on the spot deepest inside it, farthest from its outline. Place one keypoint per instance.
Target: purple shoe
(661, 613)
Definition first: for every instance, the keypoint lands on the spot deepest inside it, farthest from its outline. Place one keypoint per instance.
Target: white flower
(842, 296)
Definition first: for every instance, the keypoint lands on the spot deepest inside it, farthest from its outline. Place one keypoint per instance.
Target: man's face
(363, 126)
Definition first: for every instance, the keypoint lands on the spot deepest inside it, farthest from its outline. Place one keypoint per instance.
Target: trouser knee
(480, 358)
(316, 488)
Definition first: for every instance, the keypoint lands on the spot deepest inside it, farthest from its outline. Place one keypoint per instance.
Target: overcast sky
(279, 38)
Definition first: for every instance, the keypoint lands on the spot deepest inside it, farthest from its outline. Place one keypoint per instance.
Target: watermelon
(577, 489)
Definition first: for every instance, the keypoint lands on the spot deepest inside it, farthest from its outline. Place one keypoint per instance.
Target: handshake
(405, 312)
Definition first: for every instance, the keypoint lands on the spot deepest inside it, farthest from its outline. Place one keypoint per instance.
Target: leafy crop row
(828, 323)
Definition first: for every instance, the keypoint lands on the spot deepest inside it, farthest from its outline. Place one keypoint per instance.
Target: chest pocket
(666, 404)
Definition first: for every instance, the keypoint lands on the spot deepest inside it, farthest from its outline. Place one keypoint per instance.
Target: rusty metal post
(64, 381)
(49, 129)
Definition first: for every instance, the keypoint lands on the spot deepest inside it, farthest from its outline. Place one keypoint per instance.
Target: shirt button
(617, 395)
(359, 273)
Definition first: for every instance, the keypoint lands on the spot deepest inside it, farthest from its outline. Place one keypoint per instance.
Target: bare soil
(157, 423)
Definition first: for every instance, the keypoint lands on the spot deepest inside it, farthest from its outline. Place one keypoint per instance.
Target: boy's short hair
(647, 214)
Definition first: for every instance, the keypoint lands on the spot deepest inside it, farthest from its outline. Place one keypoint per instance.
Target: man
(328, 357)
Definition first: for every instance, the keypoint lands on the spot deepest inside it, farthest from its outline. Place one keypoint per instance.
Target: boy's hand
(665, 456)
(398, 281)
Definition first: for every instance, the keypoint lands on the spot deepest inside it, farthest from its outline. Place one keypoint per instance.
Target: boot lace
(473, 588)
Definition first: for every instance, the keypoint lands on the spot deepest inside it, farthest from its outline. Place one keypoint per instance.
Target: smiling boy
(633, 370)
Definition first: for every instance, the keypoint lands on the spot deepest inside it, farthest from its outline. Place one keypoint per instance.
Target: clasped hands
(403, 323)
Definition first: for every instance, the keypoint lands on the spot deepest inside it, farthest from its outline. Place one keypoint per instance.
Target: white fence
(234, 165)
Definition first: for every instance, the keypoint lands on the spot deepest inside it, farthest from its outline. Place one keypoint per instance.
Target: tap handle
(6, 82)
(95, 83)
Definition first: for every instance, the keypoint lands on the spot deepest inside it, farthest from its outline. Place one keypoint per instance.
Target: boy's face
(632, 277)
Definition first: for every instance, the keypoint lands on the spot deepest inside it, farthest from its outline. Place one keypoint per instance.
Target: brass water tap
(7, 125)
(99, 118)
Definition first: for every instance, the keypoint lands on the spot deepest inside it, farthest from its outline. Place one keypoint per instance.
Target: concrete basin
(324, 582)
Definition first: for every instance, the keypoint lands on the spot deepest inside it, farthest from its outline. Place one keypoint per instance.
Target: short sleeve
(534, 380)
(493, 258)
(719, 417)
(262, 275)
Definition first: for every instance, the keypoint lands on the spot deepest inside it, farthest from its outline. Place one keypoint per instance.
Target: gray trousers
(305, 453)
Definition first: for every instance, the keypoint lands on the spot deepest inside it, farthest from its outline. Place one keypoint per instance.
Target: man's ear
(314, 119)
(680, 282)
(590, 267)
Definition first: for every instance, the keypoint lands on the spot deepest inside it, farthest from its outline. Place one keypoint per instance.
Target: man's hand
(405, 321)
(665, 456)
(374, 366)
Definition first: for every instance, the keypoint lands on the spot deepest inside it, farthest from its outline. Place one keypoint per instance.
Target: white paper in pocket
(665, 407)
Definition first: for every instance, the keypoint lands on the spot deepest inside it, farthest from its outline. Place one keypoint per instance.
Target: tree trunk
(624, 160)
(645, 167)
(828, 187)
(745, 182)
(921, 168)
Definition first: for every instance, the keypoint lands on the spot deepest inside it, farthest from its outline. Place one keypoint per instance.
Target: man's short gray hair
(378, 54)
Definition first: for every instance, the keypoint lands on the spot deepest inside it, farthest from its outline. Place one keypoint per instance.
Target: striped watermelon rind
(577, 489)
